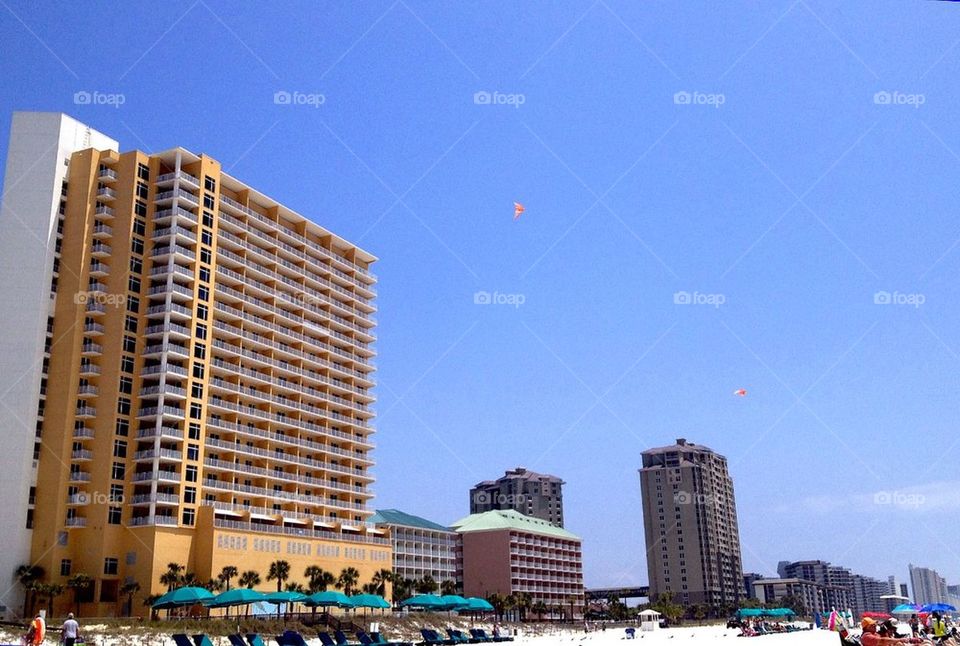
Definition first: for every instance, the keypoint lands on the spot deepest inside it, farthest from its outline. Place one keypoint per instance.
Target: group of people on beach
(37, 632)
(937, 627)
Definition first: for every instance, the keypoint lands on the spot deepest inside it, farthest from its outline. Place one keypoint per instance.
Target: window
(65, 567)
(126, 365)
(205, 256)
(110, 566)
(118, 471)
(139, 226)
(140, 208)
(206, 237)
(208, 202)
(191, 473)
(196, 411)
(198, 370)
(120, 450)
(130, 324)
(142, 190)
(136, 265)
(201, 331)
(189, 495)
(143, 171)
(189, 516)
(209, 184)
(114, 515)
(123, 406)
(133, 304)
(203, 312)
(203, 293)
(193, 452)
(196, 390)
(136, 246)
(123, 427)
(193, 432)
(207, 219)
(116, 493)
(129, 344)
(205, 274)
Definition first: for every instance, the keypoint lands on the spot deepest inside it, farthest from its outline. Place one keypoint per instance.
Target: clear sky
(778, 190)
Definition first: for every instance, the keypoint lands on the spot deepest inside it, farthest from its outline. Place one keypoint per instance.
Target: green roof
(397, 517)
(510, 519)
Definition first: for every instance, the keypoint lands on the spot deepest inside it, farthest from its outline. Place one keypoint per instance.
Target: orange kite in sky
(517, 210)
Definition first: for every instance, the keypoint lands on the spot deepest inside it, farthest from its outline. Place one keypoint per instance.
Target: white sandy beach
(666, 637)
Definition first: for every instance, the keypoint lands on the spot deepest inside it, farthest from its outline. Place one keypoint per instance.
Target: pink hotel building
(504, 552)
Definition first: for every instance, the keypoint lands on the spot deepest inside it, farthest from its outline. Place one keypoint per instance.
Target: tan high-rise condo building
(690, 525)
(187, 366)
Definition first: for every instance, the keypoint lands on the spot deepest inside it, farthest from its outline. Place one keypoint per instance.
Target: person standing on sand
(38, 630)
(69, 631)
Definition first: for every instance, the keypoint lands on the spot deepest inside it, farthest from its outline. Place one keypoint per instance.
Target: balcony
(168, 391)
(96, 309)
(100, 250)
(106, 194)
(76, 522)
(186, 178)
(164, 432)
(158, 498)
(165, 234)
(162, 454)
(99, 269)
(166, 476)
(166, 216)
(89, 369)
(162, 411)
(81, 455)
(139, 521)
(86, 412)
(172, 349)
(107, 175)
(168, 196)
(91, 350)
(86, 391)
(83, 433)
(164, 252)
(79, 476)
(102, 231)
(103, 212)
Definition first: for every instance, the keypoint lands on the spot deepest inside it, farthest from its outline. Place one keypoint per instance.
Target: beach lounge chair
(181, 640)
(460, 637)
(202, 640)
(326, 639)
(236, 640)
(341, 638)
(377, 639)
(291, 638)
(432, 638)
(254, 639)
(481, 633)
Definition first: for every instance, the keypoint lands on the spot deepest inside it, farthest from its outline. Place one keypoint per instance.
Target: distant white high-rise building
(928, 586)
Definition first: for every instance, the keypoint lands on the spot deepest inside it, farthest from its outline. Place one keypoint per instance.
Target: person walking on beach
(69, 631)
(37, 631)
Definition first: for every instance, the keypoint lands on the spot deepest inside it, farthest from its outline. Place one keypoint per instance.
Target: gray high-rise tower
(690, 525)
(533, 494)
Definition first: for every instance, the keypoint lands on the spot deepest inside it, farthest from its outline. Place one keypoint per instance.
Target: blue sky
(780, 162)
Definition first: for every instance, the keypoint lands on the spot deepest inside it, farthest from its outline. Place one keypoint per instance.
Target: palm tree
(319, 579)
(227, 573)
(295, 587)
(190, 579)
(540, 608)
(279, 572)
(499, 604)
(130, 589)
(78, 582)
(27, 575)
(369, 588)
(48, 591)
(172, 578)
(249, 579)
(214, 585)
(426, 585)
(509, 603)
(402, 588)
(380, 580)
(448, 587)
(148, 601)
(347, 580)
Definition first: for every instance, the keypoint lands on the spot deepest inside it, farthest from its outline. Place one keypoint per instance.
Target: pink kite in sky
(517, 210)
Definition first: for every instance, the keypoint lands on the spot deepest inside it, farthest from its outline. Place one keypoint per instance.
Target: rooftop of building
(397, 517)
(510, 519)
(520, 473)
(681, 443)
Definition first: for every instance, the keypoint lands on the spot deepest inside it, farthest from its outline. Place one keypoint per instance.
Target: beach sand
(665, 637)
